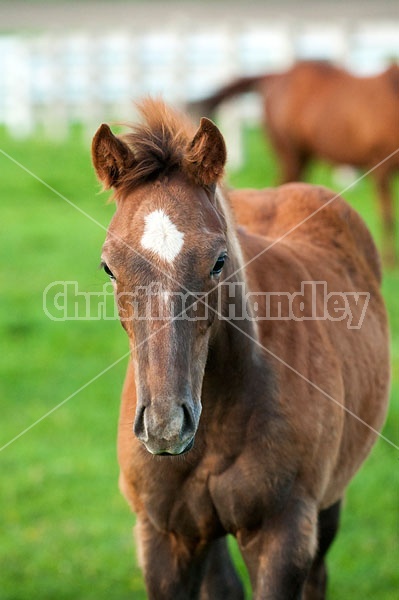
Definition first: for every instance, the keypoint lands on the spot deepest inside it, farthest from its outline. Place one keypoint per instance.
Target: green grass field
(65, 530)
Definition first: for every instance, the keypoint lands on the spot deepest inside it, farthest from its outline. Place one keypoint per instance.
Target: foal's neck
(236, 338)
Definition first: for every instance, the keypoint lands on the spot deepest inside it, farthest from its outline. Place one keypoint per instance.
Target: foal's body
(275, 446)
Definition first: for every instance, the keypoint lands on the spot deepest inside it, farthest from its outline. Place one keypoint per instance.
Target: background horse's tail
(238, 86)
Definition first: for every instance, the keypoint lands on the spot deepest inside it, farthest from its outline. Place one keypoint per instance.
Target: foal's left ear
(111, 157)
(206, 155)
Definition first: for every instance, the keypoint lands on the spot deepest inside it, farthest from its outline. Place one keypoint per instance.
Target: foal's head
(166, 248)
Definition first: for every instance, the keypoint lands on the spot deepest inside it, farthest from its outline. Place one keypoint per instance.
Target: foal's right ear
(111, 157)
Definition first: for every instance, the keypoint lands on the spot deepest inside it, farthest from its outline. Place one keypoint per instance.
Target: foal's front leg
(220, 580)
(172, 566)
(279, 555)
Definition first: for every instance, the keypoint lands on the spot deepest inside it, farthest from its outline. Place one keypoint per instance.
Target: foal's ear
(206, 155)
(111, 157)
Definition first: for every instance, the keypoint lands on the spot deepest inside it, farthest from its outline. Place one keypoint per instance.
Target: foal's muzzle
(166, 428)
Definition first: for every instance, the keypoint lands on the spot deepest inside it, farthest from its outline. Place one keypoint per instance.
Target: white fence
(49, 81)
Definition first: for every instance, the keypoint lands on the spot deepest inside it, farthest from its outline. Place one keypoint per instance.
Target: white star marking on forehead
(162, 236)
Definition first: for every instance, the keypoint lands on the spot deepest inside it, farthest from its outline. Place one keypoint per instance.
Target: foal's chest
(210, 501)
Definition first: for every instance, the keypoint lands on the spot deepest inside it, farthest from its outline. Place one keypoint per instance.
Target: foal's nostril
(139, 425)
(188, 420)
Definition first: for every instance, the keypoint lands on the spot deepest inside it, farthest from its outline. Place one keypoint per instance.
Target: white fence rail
(49, 81)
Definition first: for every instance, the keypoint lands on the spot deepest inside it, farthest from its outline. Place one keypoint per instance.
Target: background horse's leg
(220, 581)
(292, 161)
(383, 182)
(328, 522)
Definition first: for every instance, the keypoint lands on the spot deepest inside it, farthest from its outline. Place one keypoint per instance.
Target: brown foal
(259, 368)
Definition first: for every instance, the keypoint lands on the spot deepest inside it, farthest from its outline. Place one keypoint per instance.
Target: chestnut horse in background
(318, 110)
(237, 421)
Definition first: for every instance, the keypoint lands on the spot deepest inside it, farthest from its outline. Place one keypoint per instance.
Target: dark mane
(158, 143)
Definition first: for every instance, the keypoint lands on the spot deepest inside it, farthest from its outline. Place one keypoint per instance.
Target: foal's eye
(219, 264)
(108, 271)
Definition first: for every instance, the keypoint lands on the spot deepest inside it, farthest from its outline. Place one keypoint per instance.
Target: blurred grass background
(65, 529)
